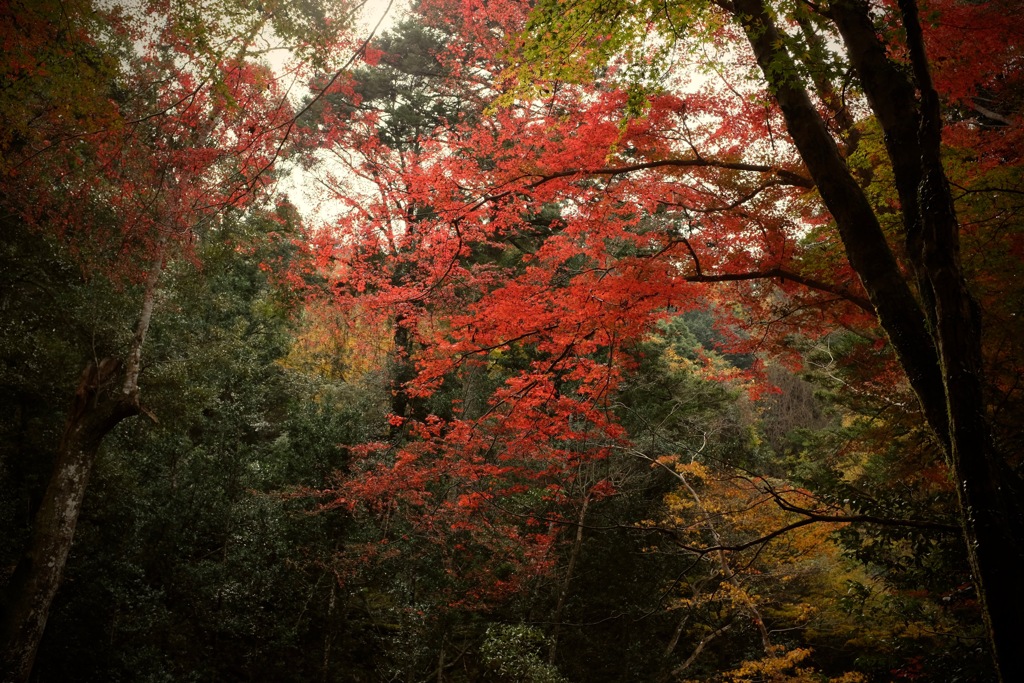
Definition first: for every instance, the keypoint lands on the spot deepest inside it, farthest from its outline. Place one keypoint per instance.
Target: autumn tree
(715, 175)
(168, 119)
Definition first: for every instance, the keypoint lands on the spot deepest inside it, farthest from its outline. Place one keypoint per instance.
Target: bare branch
(859, 301)
(785, 177)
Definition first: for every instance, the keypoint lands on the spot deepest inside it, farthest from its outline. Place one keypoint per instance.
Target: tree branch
(861, 302)
(787, 177)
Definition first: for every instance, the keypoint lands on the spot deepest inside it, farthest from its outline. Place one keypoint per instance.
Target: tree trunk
(97, 409)
(937, 339)
(107, 393)
(563, 592)
(991, 493)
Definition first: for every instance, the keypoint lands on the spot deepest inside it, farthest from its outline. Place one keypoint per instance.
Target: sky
(301, 187)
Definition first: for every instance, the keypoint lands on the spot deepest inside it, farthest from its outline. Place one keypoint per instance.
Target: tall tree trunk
(937, 339)
(991, 493)
(107, 393)
(563, 592)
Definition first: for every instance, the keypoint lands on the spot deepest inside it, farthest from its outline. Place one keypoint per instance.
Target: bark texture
(97, 408)
(933, 322)
(107, 393)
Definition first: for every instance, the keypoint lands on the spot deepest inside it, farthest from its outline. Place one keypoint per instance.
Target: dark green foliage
(189, 564)
(54, 318)
(670, 409)
(408, 86)
(409, 89)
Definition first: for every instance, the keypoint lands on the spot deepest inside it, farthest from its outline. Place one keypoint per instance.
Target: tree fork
(99, 406)
(38, 575)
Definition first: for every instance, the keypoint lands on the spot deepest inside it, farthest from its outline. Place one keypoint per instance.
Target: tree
(187, 554)
(905, 257)
(169, 121)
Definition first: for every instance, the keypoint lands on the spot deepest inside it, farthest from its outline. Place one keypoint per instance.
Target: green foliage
(512, 653)
(408, 86)
(190, 558)
(405, 87)
(220, 29)
(571, 43)
(670, 406)
(54, 320)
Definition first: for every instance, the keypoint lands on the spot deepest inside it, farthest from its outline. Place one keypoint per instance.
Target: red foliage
(150, 152)
(534, 245)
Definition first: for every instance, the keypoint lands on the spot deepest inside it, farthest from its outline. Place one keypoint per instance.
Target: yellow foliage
(780, 666)
(336, 345)
(692, 470)
(793, 581)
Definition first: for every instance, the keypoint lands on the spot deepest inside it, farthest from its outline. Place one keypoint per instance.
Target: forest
(512, 341)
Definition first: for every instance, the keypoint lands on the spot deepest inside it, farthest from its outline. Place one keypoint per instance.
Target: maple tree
(793, 156)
